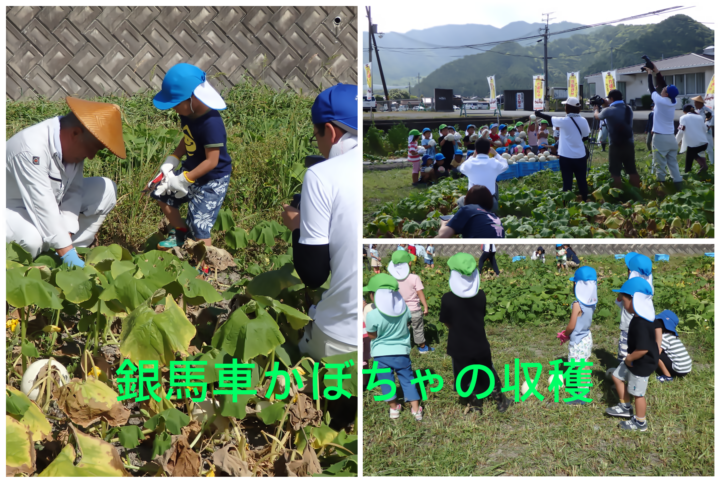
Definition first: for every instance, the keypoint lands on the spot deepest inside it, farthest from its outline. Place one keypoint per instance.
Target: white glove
(432, 143)
(178, 185)
(162, 188)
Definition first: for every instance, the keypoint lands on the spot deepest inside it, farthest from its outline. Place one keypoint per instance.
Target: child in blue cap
(560, 256)
(427, 172)
(438, 166)
(642, 358)
(674, 359)
(577, 331)
(638, 265)
(428, 142)
(205, 174)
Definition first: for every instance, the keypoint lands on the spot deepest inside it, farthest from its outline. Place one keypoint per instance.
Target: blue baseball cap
(558, 245)
(635, 285)
(584, 274)
(458, 151)
(473, 126)
(337, 105)
(500, 150)
(503, 126)
(670, 320)
(641, 264)
(543, 145)
(425, 158)
(527, 147)
(439, 156)
(672, 91)
(178, 85)
(493, 125)
(426, 130)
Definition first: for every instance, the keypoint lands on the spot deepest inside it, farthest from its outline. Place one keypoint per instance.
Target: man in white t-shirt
(663, 142)
(691, 136)
(326, 228)
(483, 170)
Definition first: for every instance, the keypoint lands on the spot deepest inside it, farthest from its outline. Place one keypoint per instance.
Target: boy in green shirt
(386, 326)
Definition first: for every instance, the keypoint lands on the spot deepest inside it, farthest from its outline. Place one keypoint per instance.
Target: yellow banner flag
(710, 94)
(609, 79)
(573, 84)
(368, 77)
(493, 94)
(538, 92)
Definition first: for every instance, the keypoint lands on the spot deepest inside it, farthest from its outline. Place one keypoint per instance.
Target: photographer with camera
(664, 144)
(619, 118)
(572, 151)
(325, 227)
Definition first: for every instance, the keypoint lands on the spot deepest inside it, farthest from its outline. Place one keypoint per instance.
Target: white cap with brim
(643, 306)
(465, 286)
(647, 278)
(390, 302)
(400, 271)
(209, 96)
(572, 101)
(586, 292)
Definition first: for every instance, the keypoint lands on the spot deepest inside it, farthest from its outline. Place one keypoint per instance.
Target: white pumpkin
(562, 380)
(205, 409)
(30, 377)
(506, 155)
(532, 117)
(524, 389)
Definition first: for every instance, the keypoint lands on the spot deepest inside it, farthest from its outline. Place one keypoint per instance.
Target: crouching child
(674, 359)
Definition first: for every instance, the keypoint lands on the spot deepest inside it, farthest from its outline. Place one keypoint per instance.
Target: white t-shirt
(572, 144)
(694, 134)
(483, 170)
(489, 247)
(664, 116)
(329, 217)
(419, 251)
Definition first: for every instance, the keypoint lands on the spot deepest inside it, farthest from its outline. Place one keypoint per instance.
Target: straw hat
(699, 98)
(103, 120)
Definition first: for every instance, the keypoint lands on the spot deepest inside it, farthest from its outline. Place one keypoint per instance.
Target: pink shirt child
(408, 289)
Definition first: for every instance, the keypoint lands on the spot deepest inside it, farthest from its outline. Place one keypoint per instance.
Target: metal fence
(89, 51)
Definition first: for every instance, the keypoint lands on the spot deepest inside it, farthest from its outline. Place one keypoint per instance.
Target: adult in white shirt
(49, 202)
(326, 227)
(573, 158)
(484, 170)
(691, 136)
(664, 143)
(703, 110)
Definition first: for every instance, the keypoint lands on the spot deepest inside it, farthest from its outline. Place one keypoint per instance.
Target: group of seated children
(648, 342)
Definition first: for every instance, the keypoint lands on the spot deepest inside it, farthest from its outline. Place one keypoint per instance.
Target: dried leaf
(303, 413)
(180, 460)
(89, 401)
(228, 460)
(191, 430)
(20, 451)
(308, 466)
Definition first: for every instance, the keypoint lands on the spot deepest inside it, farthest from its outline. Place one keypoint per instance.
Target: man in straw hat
(49, 202)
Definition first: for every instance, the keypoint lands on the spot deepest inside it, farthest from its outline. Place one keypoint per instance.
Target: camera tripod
(592, 141)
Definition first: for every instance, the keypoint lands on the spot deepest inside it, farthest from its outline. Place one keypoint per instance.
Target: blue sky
(403, 16)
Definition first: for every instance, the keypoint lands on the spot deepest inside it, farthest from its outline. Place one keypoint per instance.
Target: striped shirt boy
(681, 361)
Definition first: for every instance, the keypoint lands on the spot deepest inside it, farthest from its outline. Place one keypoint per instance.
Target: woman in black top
(462, 310)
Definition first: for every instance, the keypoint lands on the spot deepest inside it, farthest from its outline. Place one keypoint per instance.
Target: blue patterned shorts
(205, 203)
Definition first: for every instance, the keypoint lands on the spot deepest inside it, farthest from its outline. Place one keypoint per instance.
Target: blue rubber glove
(72, 259)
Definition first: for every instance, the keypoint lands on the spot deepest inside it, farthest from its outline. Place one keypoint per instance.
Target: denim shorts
(205, 203)
(428, 262)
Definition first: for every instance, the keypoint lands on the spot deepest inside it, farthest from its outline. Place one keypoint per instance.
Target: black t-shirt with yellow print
(207, 131)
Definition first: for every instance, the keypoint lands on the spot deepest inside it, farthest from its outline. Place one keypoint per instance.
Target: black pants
(668, 364)
(692, 154)
(493, 262)
(577, 167)
(482, 382)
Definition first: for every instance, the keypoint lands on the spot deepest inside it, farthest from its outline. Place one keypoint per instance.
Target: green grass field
(382, 186)
(543, 437)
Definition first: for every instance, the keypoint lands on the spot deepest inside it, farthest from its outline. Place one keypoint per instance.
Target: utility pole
(372, 90)
(545, 42)
(377, 53)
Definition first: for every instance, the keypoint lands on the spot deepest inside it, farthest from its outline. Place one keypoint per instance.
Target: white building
(690, 73)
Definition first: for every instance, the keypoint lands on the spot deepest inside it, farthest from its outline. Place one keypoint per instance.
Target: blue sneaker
(176, 238)
(633, 424)
(425, 349)
(663, 378)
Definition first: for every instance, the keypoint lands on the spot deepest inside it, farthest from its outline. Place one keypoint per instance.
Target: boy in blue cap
(439, 165)
(503, 134)
(577, 331)
(642, 358)
(205, 174)
(427, 172)
(428, 142)
(674, 359)
(638, 265)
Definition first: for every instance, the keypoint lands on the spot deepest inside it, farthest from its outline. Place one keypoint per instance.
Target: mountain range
(403, 66)
(514, 64)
